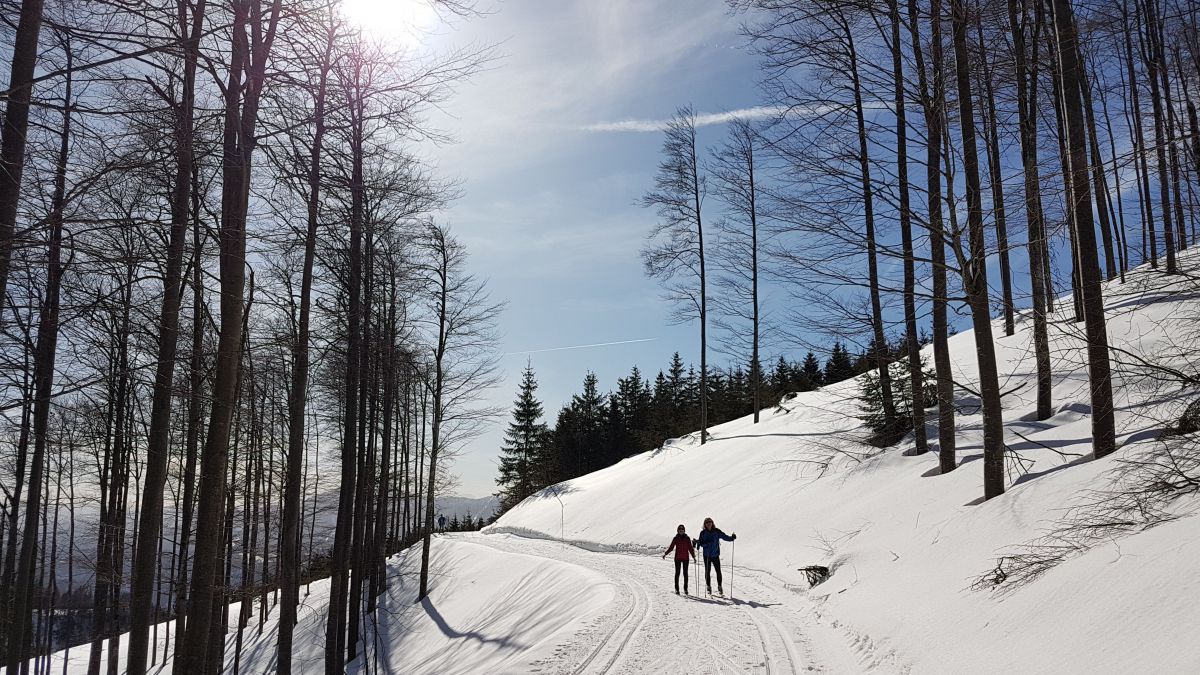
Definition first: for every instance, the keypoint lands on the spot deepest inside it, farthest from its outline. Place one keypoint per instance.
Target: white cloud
(702, 120)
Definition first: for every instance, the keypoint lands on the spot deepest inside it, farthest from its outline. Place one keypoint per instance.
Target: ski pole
(732, 552)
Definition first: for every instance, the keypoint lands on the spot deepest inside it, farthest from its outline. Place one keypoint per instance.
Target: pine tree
(781, 377)
(839, 366)
(870, 398)
(523, 449)
(811, 368)
(634, 401)
(579, 433)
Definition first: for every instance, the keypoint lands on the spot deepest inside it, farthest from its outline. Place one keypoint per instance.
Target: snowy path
(768, 628)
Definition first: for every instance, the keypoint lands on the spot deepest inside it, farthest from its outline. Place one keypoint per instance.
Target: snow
(488, 611)
(571, 579)
(904, 542)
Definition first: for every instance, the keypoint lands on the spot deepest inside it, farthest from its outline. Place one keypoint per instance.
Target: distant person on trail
(710, 541)
(682, 545)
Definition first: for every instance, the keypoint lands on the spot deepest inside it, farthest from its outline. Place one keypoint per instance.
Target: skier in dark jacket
(682, 545)
(710, 541)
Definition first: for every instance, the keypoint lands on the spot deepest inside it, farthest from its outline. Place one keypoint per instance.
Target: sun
(404, 21)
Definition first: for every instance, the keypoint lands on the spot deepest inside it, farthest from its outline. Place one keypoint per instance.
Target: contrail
(598, 344)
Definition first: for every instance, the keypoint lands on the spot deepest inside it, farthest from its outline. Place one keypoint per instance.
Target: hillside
(913, 554)
(905, 544)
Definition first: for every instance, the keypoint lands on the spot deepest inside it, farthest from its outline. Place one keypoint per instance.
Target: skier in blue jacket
(710, 541)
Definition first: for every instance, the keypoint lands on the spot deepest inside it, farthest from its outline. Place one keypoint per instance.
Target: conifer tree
(839, 366)
(524, 446)
(579, 433)
(811, 368)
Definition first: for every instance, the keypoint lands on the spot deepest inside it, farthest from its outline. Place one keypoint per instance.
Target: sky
(556, 141)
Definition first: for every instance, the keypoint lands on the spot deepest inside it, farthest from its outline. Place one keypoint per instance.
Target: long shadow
(936, 471)
(1032, 475)
(707, 601)
(554, 491)
(502, 642)
(1153, 298)
(780, 435)
(1048, 443)
(1144, 434)
(754, 604)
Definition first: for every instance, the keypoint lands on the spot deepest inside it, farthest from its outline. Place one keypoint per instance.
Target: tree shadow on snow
(502, 642)
(937, 471)
(754, 604)
(554, 491)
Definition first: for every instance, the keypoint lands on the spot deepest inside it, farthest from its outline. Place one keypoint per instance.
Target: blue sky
(557, 140)
(549, 210)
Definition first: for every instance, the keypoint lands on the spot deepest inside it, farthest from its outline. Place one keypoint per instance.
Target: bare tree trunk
(1155, 63)
(13, 132)
(192, 432)
(996, 182)
(335, 629)
(1119, 217)
(442, 273)
(21, 637)
(1139, 137)
(975, 271)
(1100, 185)
(240, 119)
(1034, 219)
(932, 101)
(864, 160)
(1103, 429)
(289, 538)
(151, 514)
(915, 373)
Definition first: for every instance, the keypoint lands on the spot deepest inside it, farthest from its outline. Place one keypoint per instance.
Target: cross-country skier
(710, 541)
(682, 545)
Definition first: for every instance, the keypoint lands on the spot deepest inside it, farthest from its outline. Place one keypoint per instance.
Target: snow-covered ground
(570, 580)
(905, 543)
(490, 609)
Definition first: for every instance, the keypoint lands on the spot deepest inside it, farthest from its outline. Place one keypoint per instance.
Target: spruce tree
(579, 435)
(634, 400)
(839, 366)
(524, 451)
(677, 388)
(811, 369)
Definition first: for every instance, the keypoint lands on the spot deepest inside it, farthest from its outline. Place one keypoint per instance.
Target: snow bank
(904, 542)
(487, 612)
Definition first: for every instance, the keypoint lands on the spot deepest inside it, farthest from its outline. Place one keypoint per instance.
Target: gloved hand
(733, 536)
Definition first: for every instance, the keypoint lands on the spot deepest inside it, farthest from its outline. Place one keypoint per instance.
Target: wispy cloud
(702, 120)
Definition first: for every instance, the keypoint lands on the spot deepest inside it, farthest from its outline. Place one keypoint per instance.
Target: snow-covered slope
(488, 611)
(906, 543)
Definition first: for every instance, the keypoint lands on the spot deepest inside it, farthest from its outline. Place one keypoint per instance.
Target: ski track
(648, 629)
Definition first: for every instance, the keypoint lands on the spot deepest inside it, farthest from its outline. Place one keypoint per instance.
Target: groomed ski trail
(767, 628)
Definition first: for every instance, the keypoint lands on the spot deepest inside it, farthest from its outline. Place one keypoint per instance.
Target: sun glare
(404, 21)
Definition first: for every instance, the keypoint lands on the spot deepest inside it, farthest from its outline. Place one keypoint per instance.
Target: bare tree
(463, 318)
(975, 270)
(15, 130)
(253, 37)
(733, 170)
(1099, 373)
(674, 252)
